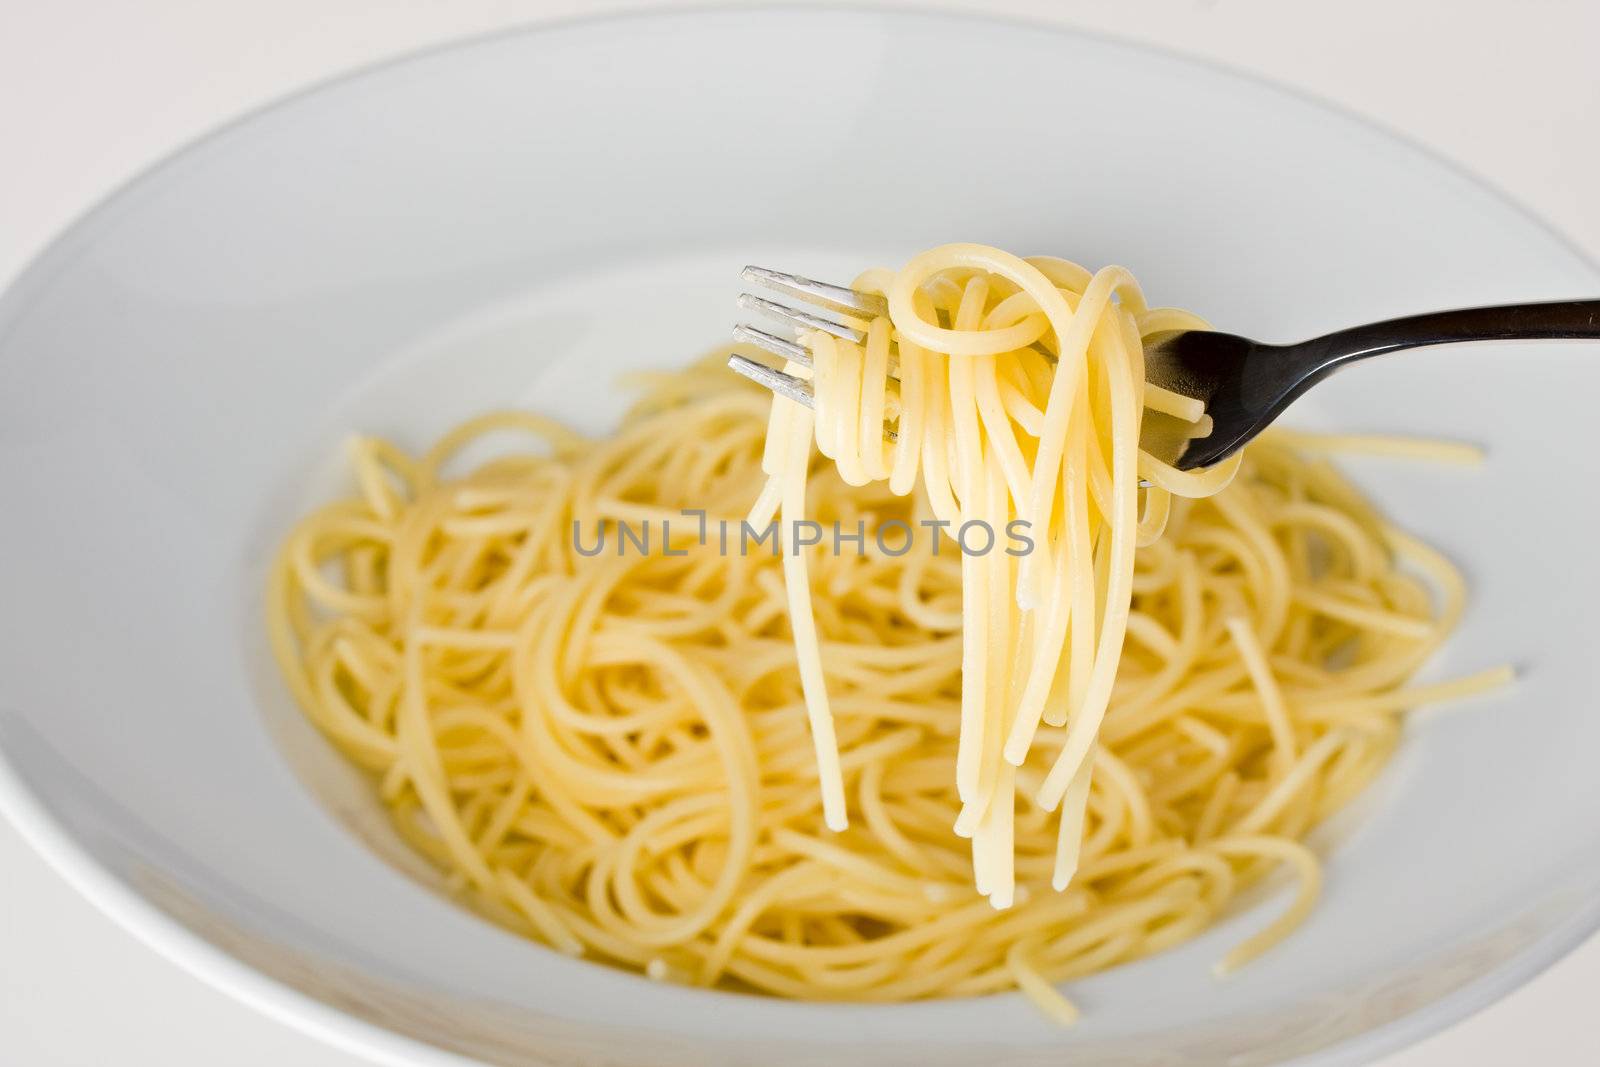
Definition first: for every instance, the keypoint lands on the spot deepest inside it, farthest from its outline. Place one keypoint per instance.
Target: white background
(92, 90)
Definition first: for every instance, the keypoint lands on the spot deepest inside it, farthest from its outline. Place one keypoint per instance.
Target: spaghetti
(625, 730)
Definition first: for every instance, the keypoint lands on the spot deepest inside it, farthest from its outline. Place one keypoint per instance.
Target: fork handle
(1268, 385)
(1553, 321)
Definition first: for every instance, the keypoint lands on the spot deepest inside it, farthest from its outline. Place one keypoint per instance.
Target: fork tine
(789, 350)
(833, 297)
(800, 320)
(785, 385)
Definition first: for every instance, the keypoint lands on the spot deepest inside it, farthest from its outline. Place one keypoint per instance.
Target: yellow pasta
(632, 722)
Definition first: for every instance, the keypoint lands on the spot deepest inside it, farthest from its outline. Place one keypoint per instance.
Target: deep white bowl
(518, 219)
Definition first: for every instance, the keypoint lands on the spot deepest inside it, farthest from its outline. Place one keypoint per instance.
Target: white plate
(515, 220)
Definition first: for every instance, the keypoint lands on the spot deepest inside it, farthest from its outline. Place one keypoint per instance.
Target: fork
(1244, 384)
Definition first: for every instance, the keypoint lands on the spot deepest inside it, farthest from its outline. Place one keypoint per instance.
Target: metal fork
(1244, 384)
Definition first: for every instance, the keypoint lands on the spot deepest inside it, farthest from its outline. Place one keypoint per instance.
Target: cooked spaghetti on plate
(942, 689)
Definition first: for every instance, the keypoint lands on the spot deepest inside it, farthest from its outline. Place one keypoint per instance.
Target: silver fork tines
(801, 320)
(785, 385)
(833, 297)
(827, 297)
(789, 350)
